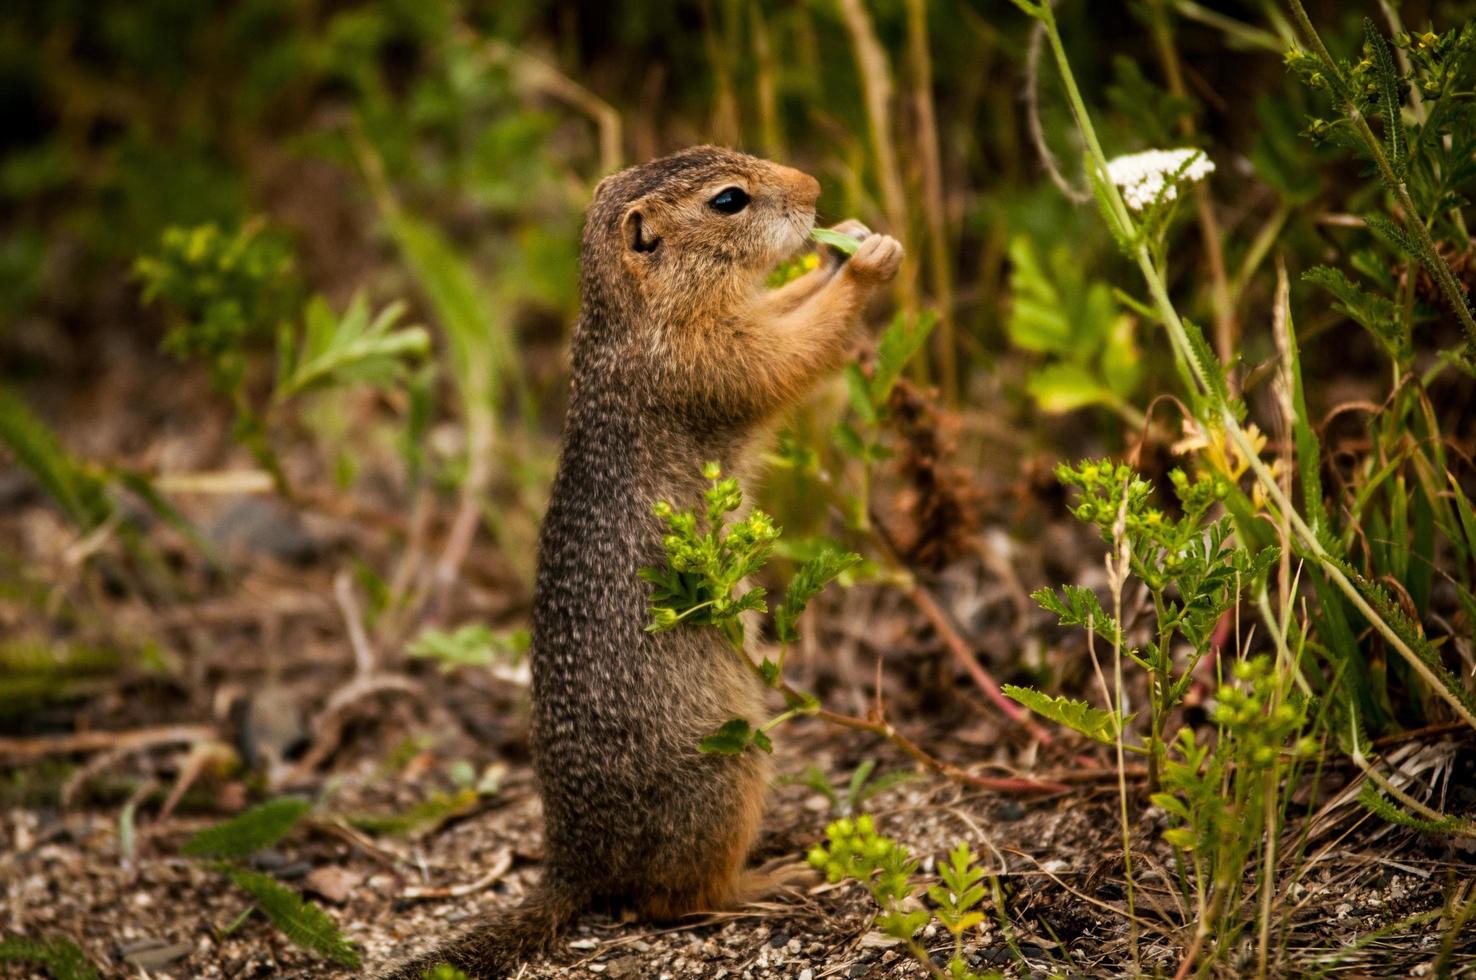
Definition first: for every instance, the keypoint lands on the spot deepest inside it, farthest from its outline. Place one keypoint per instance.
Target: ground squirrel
(680, 355)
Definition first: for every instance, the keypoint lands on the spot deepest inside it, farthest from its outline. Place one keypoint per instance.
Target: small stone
(877, 940)
(584, 945)
(806, 974)
(333, 882)
(159, 956)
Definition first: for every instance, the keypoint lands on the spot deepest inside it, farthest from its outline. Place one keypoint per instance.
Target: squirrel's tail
(497, 945)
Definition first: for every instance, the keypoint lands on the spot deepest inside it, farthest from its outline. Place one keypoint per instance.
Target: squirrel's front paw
(877, 260)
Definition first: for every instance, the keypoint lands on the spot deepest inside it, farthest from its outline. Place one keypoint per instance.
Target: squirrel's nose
(809, 188)
(803, 189)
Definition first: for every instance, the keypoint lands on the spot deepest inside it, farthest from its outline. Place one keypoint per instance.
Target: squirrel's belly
(629, 801)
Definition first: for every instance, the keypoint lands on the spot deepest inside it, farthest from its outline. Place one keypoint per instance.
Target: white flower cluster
(1142, 175)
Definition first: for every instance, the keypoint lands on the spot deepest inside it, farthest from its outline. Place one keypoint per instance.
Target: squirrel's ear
(637, 231)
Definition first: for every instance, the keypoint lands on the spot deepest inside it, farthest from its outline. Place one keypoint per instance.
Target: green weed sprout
(853, 849)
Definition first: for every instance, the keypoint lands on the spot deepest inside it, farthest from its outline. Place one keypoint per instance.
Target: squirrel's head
(690, 230)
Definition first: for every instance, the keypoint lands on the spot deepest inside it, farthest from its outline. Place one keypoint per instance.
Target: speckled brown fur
(680, 356)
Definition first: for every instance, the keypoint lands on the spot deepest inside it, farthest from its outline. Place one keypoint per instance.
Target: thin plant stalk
(770, 130)
(877, 92)
(1226, 329)
(930, 163)
(1117, 573)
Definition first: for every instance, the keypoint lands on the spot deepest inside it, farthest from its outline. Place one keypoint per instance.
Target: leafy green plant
(1221, 798)
(707, 559)
(226, 293)
(1088, 339)
(226, 844)
(869, 394)
(1229, 447)
(853, 849)
(348, 349)
(1194, 572)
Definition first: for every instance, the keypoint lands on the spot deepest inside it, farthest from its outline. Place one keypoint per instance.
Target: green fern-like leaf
(63, 958)
(1376, 313)
(1396, 147)
(1385, 228)
(300, 920)
(1211, 370)
(808, 582)
(1078, 605)
(1097, 724)
(79, 494)
(897, 345)
(261, 826)
(1371, 799)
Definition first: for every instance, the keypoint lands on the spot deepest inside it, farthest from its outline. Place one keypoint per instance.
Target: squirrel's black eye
(729, 200)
